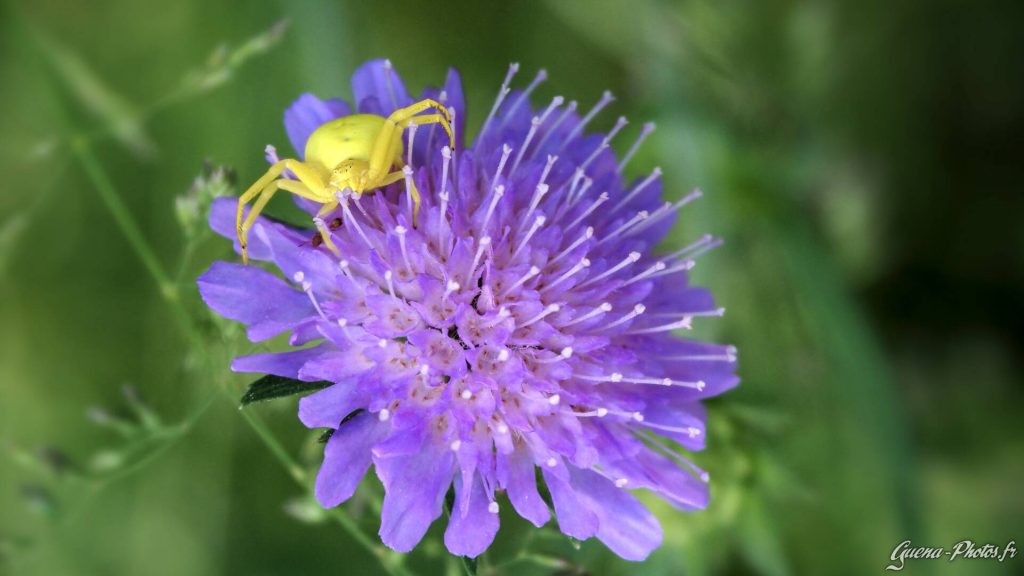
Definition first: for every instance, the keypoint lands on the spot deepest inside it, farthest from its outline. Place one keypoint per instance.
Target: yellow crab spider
(351, 155)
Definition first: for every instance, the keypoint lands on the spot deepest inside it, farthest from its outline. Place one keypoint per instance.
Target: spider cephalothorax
(354, 154)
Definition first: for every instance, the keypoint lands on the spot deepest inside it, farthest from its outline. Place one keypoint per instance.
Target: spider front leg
(380, 155)
(310, 185)
(395, 177)
(321, 226)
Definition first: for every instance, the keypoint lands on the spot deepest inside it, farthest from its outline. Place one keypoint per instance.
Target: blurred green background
(862, 158)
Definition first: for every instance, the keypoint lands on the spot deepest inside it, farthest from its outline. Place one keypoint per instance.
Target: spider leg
(297, 188)
(313, 189)
(381, 153)
(395, 177)
(321, 226)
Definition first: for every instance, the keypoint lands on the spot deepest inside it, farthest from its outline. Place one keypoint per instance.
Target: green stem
(123, 217)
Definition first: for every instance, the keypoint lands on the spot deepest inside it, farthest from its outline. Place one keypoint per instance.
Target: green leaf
(270, 387)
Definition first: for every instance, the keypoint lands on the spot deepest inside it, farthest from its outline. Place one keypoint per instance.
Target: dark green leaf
(270, 387)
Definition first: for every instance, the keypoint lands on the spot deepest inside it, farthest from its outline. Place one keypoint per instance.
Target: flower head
(521, 322)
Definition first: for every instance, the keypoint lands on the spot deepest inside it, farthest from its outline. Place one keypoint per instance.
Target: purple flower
(523, 323)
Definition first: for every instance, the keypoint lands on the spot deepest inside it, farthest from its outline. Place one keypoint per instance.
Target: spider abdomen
(347, 138)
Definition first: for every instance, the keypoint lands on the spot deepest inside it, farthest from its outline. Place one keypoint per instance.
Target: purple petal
(347, 457)
(328, 407)
(471, 534)
(677, 486)
(575, 518)
(337, 365)
(456, 101)
(307, 114)
(625, 525)
(414, 487)
(254, 297)
(285, 246)
(376, 79)
(285, 364)
(517, 475)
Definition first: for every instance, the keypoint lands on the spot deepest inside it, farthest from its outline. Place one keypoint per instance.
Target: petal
(377, 79)
(471, 534)
(328, 407)
(254, 297)
(575, 518)
(679, 487)
(307, 114)
(287, 247)
(414, 487)
(517, 475)
(337, 365)
(285, 364)
(625, 525)
(347, 457)
(456, 101)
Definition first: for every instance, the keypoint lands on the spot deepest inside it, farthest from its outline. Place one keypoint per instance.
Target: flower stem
(123, 217)
(130, 228)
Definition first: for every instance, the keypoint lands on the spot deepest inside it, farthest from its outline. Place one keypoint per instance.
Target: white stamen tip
(700, 385)
(400, 229)
(705, 477)
(616, 377)
(424, 370)
(299, 276)
(485, 241)
(567, 352)
(383, 415)
(552, 462)
(342, 322)
(466, 395)
(407, 170)
(492, 507)
(606, 307)
(639, 308)
(634, 256)
(554, 400)
(534, 270)
(456, 445)
(621, 482)
(307, 286)
(502, 429)
(590, 232)
(382, 343)
(554, 308)
(638, 417)
(446, 153)
(388, 275)
(343, 264)
(602, 412)
(504, 355)
(453, 286)
(666, 382)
